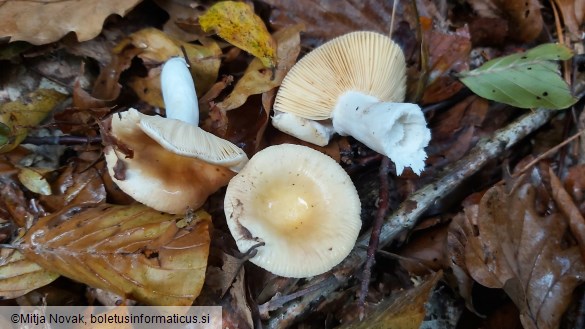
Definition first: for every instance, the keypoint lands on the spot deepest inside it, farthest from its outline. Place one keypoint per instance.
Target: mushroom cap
(156, 177)
(300, 203)
(366, 62)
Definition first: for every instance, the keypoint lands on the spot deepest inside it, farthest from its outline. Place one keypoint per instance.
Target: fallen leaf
(568, 207)
(517, 249)
(573, 14)
(326, 19)
(448, 54)
(75, 185)
(18, 116)
(257, 79)
(33, 179)
(182, 13)
(523, 15)
(405, 309)
(133, 251)
(237, 23)
(425, 251)
(525, 80)
(19, 275)
(42, 22)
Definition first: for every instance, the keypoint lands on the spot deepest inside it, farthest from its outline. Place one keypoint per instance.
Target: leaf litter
(497, 241)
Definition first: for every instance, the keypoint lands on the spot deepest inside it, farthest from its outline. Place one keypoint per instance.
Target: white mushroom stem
(178, 92)
(397, 130)
(318, 133)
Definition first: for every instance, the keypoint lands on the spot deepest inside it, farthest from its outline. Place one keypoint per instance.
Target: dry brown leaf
(183, 14)
(326, 19)
(520, 251)
(524, 16)
(133, 251)
(568, 207)
(425, 252)
(573, 13)
(46, 21)
(13, 205)
(75, 186)
(405, 310)
(448, 54)
(19, 275)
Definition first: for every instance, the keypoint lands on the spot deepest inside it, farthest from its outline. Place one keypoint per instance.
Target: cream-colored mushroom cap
(300, 203)
(154, 176)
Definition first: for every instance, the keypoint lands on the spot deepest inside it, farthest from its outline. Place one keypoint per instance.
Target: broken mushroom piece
(170, 164)
(354, 84)
(300, 203)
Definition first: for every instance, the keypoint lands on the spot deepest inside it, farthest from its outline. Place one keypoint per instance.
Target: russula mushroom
(354, 85)
(173, 164)
(300, 203)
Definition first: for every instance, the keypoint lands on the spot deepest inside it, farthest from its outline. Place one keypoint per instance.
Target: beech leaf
(522, 252)
(16, 117)
(236, 23)
(525, 80)
(19, 275)
(42, 22)
(133, 251)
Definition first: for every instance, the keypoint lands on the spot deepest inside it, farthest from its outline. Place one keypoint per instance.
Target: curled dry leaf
(133, 251)
(19, 275)
(520, 251)
(18, 116)
(42, 22)
(34, 180)
(523, 15)
(236, 23)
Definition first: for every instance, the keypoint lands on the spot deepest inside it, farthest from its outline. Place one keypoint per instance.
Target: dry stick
(383, 205)
(62, 140)
(413, 207)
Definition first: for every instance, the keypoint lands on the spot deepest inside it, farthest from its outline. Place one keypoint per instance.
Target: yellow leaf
(34, 180)
(16, 117)
(236, 23)
(133, 251)
(257, 79)
(19, 275)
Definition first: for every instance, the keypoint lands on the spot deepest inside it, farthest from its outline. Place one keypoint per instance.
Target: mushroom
(354, 85)
(170, 164)
(300, 203)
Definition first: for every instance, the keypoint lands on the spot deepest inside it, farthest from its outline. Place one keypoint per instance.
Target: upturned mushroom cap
(357, 82)
(154, 176)
(300, 203)
(366, 62)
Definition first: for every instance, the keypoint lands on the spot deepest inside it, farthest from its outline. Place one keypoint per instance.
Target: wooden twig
(383, 205)
(62, 140)
(413, 207)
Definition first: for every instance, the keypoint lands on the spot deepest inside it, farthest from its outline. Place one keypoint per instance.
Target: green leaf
(525, 80)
